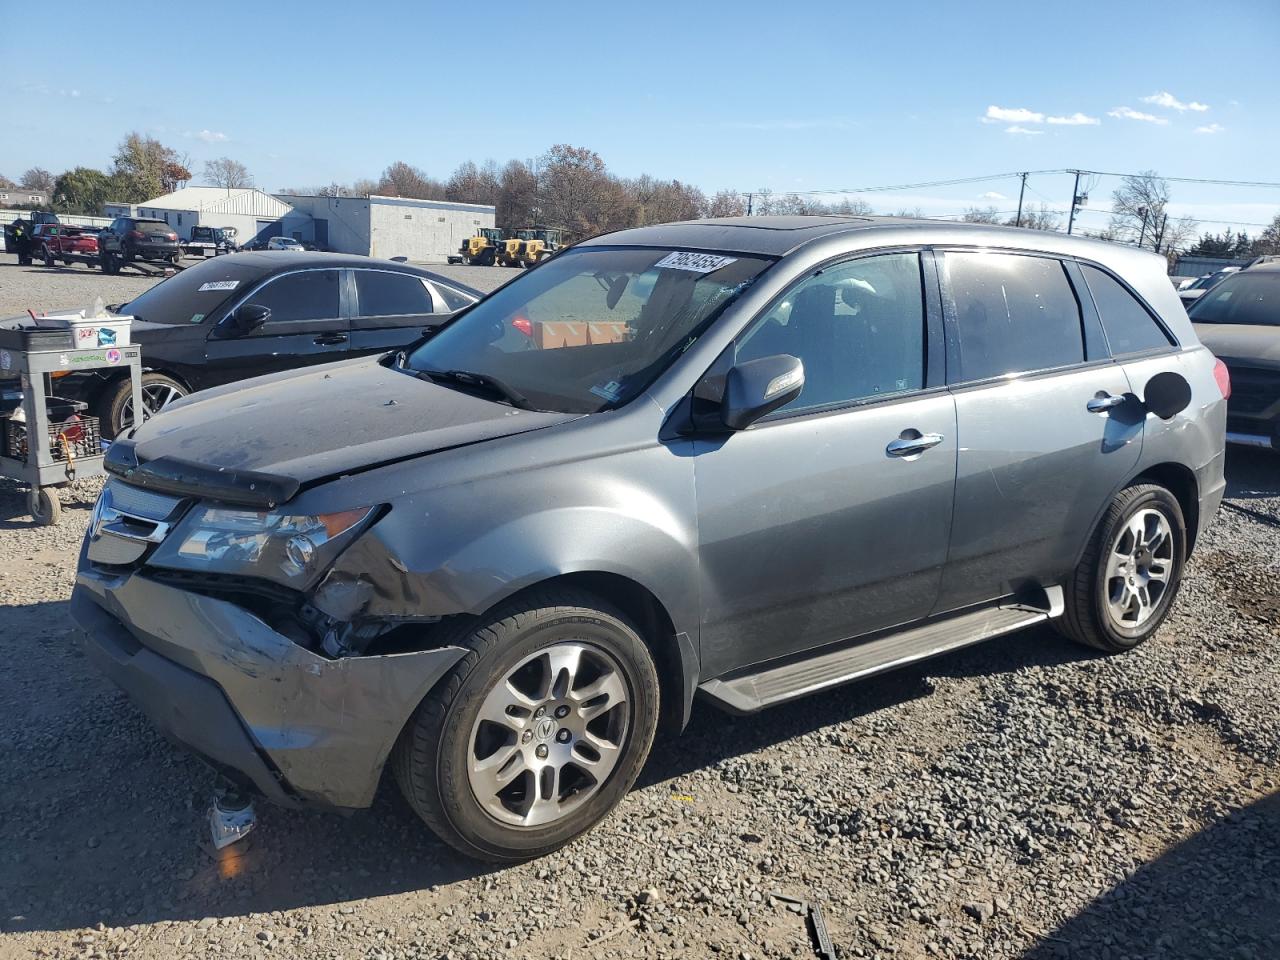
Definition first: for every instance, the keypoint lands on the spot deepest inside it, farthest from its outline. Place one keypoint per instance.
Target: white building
(253, 213)
(424, 231)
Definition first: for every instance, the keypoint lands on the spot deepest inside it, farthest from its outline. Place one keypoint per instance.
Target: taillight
(137, 234)
(523, 325)
(173, 236)
(1223, 376)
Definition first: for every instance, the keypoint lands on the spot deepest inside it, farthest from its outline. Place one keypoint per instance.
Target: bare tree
(37, 178)
(1138, 208)
(402, 180)
(473, 184)
(850, 208)
(1041, 218)
(1268, 242)
(225, 172)
(977, 215)
(664, 201)
(518, 196)
(576, 193)
(727, 203)
(6, 183)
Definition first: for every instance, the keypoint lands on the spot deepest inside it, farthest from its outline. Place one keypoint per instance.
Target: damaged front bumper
(300, 728)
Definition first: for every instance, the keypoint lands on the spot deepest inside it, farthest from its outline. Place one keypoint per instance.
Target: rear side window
(309, 295)
(1015, 314)
(453, 299)
(391, 294)
(1130, 328)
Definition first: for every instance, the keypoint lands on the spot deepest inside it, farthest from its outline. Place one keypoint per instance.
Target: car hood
(259, 441)
(1249, 343)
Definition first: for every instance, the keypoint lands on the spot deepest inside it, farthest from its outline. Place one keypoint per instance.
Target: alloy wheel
(155, 397)
(549, 733)
(1139, 568)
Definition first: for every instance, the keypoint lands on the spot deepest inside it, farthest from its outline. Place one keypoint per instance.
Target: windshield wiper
(482, 380)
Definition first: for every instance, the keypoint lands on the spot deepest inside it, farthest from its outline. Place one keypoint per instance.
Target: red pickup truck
(68, 244)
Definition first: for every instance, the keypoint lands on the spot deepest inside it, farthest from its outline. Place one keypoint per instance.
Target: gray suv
(742, 459)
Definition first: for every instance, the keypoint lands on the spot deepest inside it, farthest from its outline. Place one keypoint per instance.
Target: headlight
(284, 547)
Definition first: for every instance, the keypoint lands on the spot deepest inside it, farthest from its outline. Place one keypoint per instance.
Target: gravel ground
(40, 288)
(1020, 799)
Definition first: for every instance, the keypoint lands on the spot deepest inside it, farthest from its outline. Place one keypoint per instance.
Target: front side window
(1015, 314)
(309, 295)
(391, 294)
(593, 328)
(857, 327)
(1129, 326)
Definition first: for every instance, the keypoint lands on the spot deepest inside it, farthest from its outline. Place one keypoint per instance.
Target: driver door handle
(908, 446)
(1104, 402)
(329, 339)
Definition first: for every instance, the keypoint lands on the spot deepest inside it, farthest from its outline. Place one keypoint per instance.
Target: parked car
(746, 459)
(285, 243)
(137, 238)
(70, 245)
(210, 241)
(1239, 320)
(238, 316)
(1196, 289)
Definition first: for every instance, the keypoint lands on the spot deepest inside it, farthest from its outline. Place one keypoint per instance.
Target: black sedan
(247, 314)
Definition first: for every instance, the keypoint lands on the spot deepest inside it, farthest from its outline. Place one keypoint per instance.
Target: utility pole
(1142, 234)
(1159, 239)
(1021, 191)
(1075, 201)
(750, 198)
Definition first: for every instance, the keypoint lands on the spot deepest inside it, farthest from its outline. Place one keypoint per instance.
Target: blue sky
(797, 96)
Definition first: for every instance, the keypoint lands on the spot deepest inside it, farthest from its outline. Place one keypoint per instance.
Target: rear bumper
(299, 728)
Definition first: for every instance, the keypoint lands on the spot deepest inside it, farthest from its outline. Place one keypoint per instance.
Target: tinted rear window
(391, 294)
(151, 226)
(1015, 314)
(1130, 327)
(1251, 296)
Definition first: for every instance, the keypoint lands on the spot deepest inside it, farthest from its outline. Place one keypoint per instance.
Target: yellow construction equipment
(483, 248)
(528, 246)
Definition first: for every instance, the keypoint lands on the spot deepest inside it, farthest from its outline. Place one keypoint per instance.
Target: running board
(748, 693)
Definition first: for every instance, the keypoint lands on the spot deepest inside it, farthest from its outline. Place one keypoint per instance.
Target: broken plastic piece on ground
(231, 817)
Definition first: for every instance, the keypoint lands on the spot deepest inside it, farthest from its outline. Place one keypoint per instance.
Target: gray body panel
(787, 537)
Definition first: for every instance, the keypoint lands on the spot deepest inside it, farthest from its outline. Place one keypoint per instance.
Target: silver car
(741, 459)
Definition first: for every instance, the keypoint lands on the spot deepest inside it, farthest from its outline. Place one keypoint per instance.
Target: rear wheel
(1129, 575)
(115, 409)
(537, 733)
(48, 257)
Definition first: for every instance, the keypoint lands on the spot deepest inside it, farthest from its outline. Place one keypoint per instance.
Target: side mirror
(756, 388)
(248, 317)
(1167, 395)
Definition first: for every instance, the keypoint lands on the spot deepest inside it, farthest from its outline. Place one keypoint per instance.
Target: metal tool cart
(47, 443)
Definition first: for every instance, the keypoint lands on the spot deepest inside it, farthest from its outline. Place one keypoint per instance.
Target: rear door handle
(906, 446)
(329, 339)
(1104, 402)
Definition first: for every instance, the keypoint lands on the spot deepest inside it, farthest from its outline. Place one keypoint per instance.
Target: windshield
(193, 294)
(592, 328)
(1251, 297)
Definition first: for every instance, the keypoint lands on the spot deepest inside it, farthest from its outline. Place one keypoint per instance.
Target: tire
(1114, 572)
(112, 408)
(44, 506)
(435, 760)
(48, 257)
(110, 263)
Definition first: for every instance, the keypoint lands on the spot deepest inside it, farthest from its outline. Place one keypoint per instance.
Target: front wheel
(48, 257)
(537, 733)
(1129, 575)
(115, 409)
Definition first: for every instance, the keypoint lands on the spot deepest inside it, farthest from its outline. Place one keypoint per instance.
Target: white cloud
(1023, 131)
(992, 195)
(1012, 115)
(1211, 128)
(1167, 100)
(1076, 119)
(1128, 113)
(208, 136)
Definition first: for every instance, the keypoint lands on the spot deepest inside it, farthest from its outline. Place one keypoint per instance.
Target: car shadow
(1214, 895)
(14, 514)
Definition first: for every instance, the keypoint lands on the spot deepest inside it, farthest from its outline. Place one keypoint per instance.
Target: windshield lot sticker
(610, 391)
(219, 285)
(696, 262)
